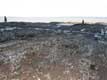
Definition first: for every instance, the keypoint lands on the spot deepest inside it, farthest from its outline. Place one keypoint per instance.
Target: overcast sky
(53, 8)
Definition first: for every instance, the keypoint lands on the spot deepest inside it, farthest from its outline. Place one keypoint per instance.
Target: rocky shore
(47, 51)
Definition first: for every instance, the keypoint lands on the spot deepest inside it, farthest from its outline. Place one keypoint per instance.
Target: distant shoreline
(57, 19)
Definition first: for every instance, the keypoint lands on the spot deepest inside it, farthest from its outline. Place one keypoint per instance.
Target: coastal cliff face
(44, 53)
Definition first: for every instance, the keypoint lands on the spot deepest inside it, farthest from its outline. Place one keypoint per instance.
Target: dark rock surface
(42, 53)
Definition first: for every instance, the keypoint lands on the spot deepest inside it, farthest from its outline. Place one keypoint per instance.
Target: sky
(53, 8)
